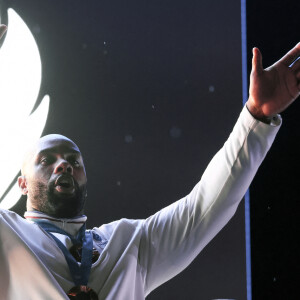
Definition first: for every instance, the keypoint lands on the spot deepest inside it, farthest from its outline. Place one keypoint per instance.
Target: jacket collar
(69, 225)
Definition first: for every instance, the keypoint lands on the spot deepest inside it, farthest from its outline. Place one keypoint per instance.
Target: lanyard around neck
(80, 273)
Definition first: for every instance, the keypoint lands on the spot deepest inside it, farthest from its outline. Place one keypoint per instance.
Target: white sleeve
(174, 236)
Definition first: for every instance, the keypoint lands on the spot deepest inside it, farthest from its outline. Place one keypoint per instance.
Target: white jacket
(138, 255)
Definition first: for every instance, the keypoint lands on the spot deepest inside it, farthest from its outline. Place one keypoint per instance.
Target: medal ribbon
(80, 274)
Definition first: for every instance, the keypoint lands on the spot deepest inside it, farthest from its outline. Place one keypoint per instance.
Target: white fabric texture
(137, 255)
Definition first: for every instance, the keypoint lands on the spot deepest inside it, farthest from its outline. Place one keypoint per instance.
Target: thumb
(257, 66)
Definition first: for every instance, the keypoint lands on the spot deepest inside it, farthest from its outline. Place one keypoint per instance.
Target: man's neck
(71, 225)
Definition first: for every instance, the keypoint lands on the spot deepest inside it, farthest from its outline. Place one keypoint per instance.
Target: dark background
(273, 26)
(150, 91)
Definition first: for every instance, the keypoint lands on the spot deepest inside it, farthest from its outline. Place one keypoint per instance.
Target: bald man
(54, 177)
(51, 255)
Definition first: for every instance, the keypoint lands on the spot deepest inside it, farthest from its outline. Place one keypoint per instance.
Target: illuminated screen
(149, 90)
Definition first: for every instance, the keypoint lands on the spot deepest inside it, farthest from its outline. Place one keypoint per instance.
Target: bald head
(43, 143)
(53, 177)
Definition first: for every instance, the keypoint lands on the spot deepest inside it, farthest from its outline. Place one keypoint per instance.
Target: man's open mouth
(65, 184)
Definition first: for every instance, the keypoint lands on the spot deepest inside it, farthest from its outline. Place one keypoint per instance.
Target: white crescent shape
(20, 79)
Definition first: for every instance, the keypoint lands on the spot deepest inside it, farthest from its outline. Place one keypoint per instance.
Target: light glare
(20, 79)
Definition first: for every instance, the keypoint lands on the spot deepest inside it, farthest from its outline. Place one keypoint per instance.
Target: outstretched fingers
(291, 56)
(257, 66)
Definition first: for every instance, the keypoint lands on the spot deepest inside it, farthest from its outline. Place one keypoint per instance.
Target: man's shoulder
(8, 214)
(10, 220)
(119, 227)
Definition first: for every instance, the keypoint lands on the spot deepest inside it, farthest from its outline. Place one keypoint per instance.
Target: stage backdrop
(149, 90)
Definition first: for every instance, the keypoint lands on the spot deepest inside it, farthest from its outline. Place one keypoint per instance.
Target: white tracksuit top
(137, 255)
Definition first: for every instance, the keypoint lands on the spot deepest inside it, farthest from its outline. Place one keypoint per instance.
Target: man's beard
(44, 199)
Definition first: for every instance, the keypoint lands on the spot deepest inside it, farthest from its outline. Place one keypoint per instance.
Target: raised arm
(175, 235)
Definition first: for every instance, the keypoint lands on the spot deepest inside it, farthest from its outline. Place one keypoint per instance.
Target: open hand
(273, 89)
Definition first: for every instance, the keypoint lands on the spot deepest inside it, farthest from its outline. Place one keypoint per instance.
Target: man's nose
(63, 167)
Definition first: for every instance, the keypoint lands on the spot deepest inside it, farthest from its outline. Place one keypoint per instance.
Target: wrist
(257, 113)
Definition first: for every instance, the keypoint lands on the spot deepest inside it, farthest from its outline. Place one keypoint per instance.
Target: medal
(83, 252)
(82, 292)
(76, 251)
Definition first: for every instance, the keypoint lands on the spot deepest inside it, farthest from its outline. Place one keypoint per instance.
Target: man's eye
(46, 160)
(74, 162)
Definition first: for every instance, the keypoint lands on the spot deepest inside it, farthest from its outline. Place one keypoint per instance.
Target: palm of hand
(272, 90)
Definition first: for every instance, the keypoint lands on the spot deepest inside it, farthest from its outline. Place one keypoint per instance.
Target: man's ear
(22, 185)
